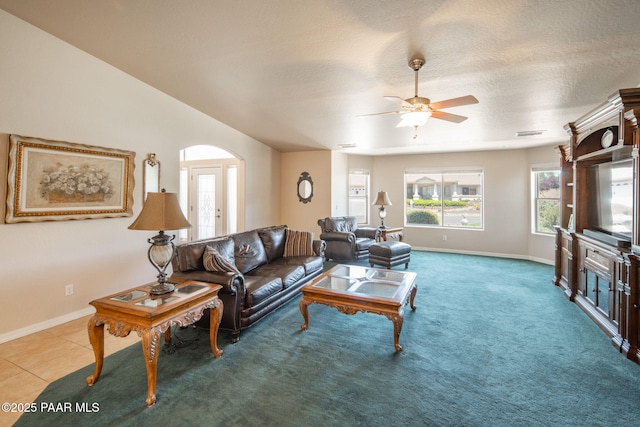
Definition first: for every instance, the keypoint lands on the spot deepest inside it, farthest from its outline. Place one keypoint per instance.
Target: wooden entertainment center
(597, 259)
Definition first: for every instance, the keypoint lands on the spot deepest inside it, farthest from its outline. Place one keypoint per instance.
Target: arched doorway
(211, 191)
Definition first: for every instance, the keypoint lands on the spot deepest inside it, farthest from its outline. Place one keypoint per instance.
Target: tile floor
(29, 364)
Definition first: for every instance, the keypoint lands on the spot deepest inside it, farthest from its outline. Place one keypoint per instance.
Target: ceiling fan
(416, 111)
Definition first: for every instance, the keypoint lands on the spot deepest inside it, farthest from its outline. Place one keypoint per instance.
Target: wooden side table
(390, 232)
(152, 316)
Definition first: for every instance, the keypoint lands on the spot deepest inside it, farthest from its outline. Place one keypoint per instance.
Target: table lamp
(382, 201)
(161, 211)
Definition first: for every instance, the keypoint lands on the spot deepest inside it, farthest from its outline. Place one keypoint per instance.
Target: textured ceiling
(296, 74)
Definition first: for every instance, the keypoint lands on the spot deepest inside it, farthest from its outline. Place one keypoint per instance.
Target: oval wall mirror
(305, 188)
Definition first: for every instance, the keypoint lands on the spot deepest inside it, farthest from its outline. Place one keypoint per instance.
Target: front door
(206, 194)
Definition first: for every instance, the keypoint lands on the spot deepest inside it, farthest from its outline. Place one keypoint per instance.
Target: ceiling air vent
(530, 133)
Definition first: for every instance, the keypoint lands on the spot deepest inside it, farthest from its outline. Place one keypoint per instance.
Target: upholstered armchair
(345, 241)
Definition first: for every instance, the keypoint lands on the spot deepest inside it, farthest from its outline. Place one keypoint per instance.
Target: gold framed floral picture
(58, 180)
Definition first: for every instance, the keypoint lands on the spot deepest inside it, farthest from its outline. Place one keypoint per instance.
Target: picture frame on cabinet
(58, 180)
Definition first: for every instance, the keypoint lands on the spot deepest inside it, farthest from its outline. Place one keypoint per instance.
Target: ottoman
(389, 254)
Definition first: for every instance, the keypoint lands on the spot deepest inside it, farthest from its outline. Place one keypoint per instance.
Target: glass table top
(372, 282)
(141, 296)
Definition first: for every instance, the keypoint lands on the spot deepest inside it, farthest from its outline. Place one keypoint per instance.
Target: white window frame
(535, 170)
(360, 193)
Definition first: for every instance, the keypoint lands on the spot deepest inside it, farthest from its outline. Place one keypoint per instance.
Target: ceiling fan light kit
(414, 119)
(416, 111)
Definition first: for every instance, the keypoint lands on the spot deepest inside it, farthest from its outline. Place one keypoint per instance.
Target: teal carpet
(492, 343)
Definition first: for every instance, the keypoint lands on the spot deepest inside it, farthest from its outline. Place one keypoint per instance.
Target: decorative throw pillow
(273, 239)
(299, 243)
(248, 251)
(214, 261)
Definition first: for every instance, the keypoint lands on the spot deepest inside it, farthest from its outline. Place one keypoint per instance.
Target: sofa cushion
(299, 243)
(224, 246)
(215, 261)
(363, 243)
(310, 263)
(189, 256)
(249, 251)
(289, 274)
(259, 288)
(273, 239)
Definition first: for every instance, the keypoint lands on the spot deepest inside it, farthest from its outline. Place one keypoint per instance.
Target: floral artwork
(55, 180)
(75, 183)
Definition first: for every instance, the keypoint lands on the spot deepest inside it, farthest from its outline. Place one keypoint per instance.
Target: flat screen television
(611, 198)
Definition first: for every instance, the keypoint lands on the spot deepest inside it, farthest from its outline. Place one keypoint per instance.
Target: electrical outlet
(444, 237)
(68, 290)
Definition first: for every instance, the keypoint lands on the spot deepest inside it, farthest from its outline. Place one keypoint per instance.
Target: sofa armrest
(338, 236)
(231, 283)
(319, 246)
(368, 232)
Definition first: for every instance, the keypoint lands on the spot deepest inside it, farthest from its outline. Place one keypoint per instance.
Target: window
(444, 198)
(546, 199)
(359, 195)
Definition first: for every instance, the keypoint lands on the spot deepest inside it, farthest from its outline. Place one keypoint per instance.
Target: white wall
(52, 90)
(507, 224)
(507, 198)
(339, 183)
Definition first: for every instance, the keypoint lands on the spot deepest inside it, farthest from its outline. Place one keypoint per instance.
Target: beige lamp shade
(161, 211)
(383, 199)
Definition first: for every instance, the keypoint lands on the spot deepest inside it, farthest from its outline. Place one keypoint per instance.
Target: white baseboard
(37, 327)
(493, 254)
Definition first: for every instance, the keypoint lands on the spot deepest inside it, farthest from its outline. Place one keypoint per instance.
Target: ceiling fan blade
(448, 117)
(397, 100)
(454, 102)
(380, 114)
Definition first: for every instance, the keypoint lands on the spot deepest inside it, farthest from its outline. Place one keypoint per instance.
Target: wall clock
(607, 138)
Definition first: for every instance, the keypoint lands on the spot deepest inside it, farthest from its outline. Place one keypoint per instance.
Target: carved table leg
(149, 349)
(413, 297)
(215, 316)
(397, 327)
(303, 309)
(96, 337)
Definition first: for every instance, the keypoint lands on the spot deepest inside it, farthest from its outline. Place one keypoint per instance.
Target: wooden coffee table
(351, 289)
(151, 316)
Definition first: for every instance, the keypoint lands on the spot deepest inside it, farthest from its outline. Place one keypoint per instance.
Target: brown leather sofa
(265, 277)
(344, 239)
